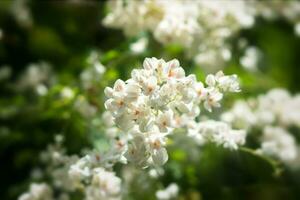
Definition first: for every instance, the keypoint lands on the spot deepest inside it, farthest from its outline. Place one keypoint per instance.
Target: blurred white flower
(201, 27)
(279, 143)
(36, 74)
(156, 172)
(105, 185)
(91, 76)
(217, 132)
(67, 93)
(21, 12)
(251, 58)
(275, 107)
(170, 192)
(213, 99)
(139, 46)
(41, 90)
(84, 107)
(240, 116)
(38, 191)
(297, 29)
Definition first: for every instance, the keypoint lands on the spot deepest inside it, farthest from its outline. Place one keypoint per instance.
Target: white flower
(156, 172)
(137, 151)
(275, 107)
(84, 107)
(224, 83)
(279, 143)
(297, 29)
(210, 80)
(201, 27)
(168, 193)
(155, 100)
(22, 13)
(67, 93)
(139, 46)
(149, 85)
(41, 90)
(217, 132)
(92, 74)
(159, 156)
(117, 90)
(79, 171)
(201, 91)
(156, 143)
(38, 191)
(164, 121)
(213, 99)
(105, 185)
(35, 74)
(240, 116)
(108, 119)
(251, 58)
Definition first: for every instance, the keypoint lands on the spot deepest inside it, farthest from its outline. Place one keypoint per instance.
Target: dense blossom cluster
(201, 27)
(158, 105)
(276, 108)
(90, 174)
(141, 113)
(105, 185)
(156, 100)
(93, 173)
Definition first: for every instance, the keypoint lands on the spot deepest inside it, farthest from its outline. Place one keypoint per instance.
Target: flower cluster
(277, 142)
(272, 113)
(90, 174)
(201, 27)
(251, 58)
(93, 173)
(38, 191)
(156, 100)
(104, 185)
(277, 107)
(217, 132)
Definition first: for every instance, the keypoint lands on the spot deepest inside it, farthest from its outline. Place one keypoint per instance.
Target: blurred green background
(63, 33)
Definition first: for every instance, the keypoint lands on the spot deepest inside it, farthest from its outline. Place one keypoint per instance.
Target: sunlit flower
(157, 99)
